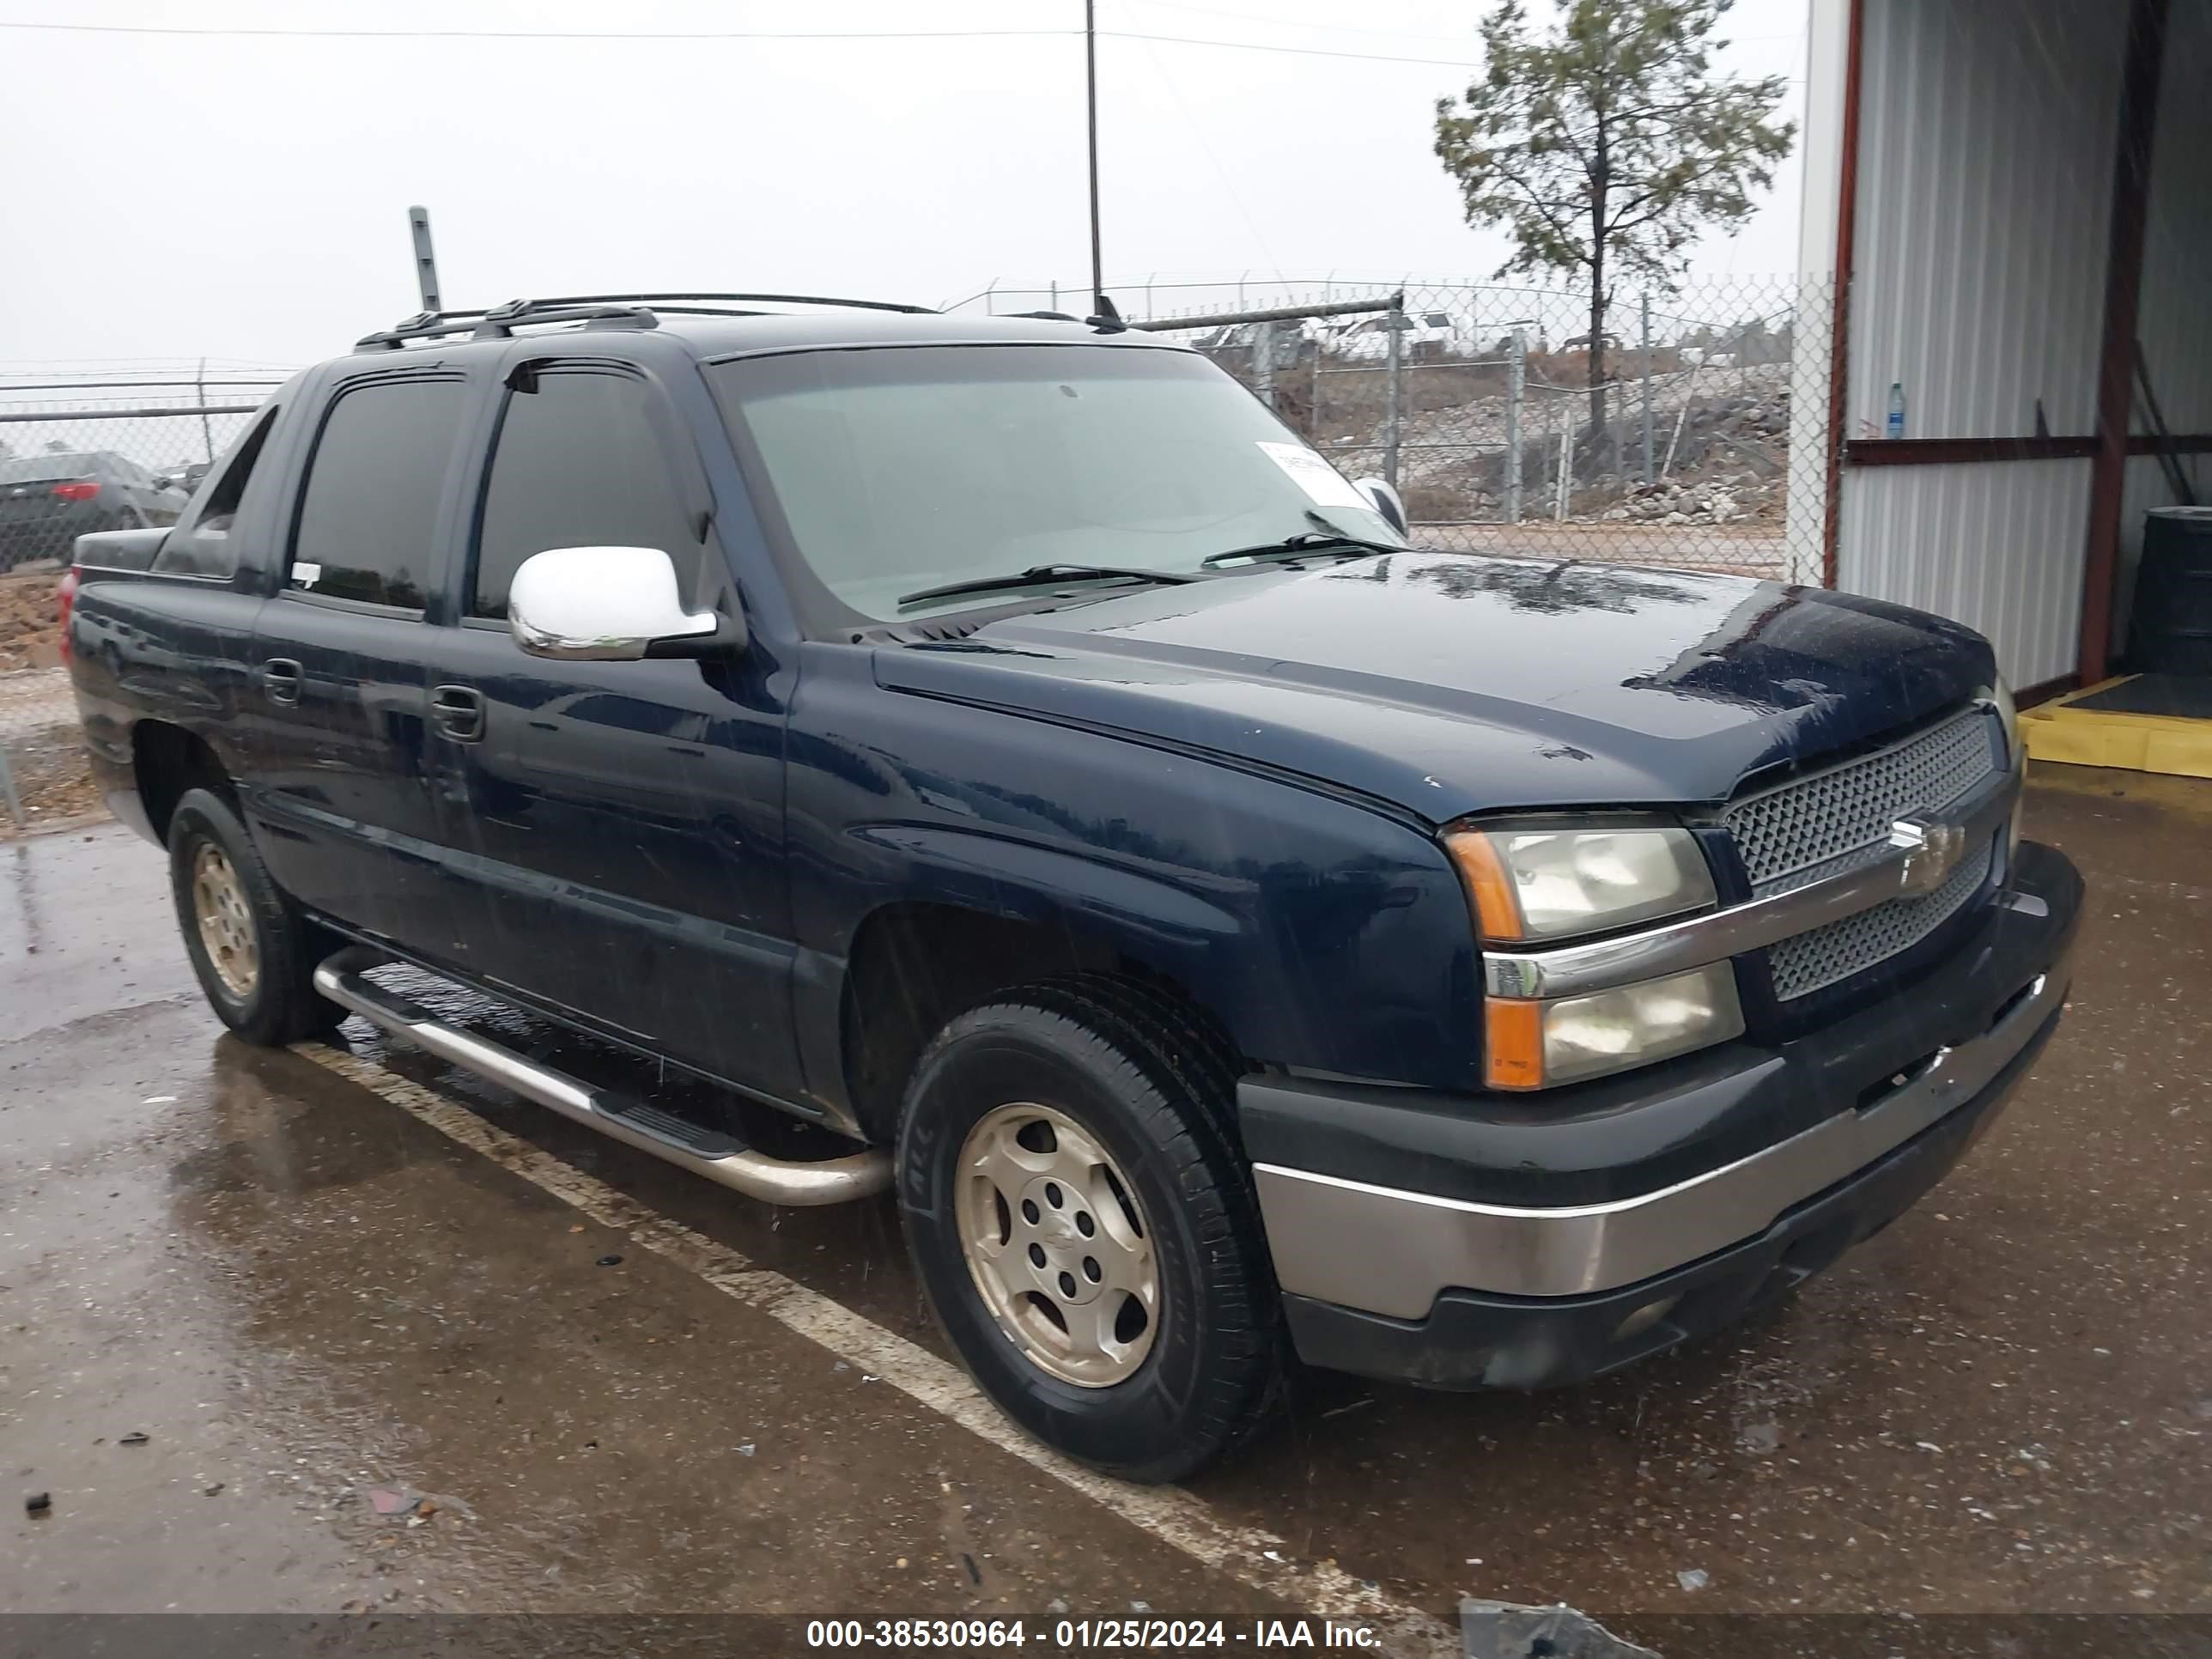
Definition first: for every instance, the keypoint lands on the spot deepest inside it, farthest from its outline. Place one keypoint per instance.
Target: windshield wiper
(1327, 539)
(1302, 545)
(1039, 576)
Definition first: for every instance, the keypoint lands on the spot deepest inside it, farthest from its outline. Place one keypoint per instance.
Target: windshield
(899, 469)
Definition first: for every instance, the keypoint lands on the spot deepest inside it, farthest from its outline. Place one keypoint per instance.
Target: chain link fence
(1703, 444)
(98, 450)
(108, 453)
(43, 780)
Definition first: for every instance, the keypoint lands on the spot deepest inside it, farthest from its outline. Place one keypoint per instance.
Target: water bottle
(1896, 428)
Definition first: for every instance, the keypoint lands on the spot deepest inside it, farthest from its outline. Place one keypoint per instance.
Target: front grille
(1828, 955)
(1818, 826)
(1792, 833)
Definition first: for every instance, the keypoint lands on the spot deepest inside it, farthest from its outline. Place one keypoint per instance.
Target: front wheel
(1086, 1229)
(253, 953)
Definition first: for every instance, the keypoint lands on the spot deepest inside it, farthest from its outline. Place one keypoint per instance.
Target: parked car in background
(1426, 336)
(1297, 340)
(46, 501)
(1004, 746)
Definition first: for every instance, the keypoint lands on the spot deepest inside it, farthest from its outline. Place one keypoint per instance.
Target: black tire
(281, 1004)
(1147, 1081)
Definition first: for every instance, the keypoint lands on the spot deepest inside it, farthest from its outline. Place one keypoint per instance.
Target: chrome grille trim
(1815, 828)
(1797, 830)
(1828, 955)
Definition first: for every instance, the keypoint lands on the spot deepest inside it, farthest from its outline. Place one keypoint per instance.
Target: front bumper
(1430, 1278)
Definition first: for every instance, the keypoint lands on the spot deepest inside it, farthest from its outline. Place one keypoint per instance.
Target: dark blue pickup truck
(1230, 932)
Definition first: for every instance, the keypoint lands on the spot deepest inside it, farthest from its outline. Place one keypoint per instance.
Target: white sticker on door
(1323, 484)
(307, 575)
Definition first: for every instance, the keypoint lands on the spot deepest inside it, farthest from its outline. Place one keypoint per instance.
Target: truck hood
(1448, 683)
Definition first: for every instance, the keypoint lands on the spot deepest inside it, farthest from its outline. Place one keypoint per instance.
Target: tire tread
(1181, 1073)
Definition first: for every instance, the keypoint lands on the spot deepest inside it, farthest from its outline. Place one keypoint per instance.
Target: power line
(1457, 63)
(1285, 22)
(1295, 51)
(173, 31)
(543, 35)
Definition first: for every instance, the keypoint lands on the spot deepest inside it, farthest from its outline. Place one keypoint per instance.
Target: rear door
(618, 826)
(340, 656)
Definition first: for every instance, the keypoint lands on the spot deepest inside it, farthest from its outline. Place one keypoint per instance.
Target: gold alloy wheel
(1057, 1245)
(225, 920)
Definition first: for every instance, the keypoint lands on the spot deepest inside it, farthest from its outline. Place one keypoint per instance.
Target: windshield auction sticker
(1323, 484)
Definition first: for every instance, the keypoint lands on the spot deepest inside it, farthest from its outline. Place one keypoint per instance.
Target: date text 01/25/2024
(1153, 1635)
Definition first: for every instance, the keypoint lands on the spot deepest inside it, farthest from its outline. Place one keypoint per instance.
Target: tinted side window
(370, 506)
(202, 545)
(578, 464)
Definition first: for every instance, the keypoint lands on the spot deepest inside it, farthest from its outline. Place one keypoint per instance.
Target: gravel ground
(29, 636)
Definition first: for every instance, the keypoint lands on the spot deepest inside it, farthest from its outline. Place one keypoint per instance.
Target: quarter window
(202, 545)
(578, 464)
(369, 514)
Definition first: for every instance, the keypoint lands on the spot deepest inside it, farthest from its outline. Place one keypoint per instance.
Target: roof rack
(746, 299)
(598, 311)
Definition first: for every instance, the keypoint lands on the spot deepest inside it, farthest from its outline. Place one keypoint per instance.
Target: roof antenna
(1106, 318)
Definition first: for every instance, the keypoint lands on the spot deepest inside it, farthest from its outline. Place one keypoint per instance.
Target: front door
(340, 669)
(618, 826)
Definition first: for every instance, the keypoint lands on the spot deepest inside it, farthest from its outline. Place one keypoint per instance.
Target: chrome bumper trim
(1391, 1252)
(1576, 969)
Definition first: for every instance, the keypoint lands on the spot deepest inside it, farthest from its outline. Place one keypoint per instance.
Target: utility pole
(426, 262)
(1090, 101)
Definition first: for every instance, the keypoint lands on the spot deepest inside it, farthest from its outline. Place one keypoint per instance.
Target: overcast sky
(243, 196)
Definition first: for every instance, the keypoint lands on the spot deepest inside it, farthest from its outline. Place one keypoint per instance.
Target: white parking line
(1255, 1557)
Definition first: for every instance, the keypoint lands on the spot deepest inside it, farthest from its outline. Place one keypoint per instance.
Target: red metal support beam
(2138, 129)
(1839, 327)
(1953, 452)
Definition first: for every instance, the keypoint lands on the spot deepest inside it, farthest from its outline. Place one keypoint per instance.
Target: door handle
(458, 712)
(281, 678)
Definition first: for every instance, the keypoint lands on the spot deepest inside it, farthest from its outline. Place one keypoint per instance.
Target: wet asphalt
(304, 1297)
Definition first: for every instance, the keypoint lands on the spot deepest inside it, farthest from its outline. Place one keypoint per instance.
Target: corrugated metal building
(2009, 193)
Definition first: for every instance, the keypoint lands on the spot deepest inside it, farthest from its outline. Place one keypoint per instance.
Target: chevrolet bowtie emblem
(1931, 850)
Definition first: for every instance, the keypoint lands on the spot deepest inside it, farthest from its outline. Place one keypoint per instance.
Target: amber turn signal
(1513, 1045)
(1496, 910)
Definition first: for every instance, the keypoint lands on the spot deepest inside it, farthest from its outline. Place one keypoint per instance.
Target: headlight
(1553, 884)
(1535, 1045)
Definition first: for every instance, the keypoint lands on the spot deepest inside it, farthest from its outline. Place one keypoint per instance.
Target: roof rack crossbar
(414, 328)
(744, 299)
(499, 323)
(632, 310)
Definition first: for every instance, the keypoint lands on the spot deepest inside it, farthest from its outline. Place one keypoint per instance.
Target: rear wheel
(253, 953)
(1084, 1225)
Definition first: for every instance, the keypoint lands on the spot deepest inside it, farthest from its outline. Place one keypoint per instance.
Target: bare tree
(1607, 143)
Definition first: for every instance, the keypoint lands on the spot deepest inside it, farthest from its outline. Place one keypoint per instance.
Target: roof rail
(597, 310)
(742, 299)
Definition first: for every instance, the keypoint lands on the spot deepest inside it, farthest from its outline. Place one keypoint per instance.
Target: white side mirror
(1384, 499)
(604, 605)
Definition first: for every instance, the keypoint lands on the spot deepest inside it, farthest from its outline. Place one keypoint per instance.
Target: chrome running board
(633, 1123)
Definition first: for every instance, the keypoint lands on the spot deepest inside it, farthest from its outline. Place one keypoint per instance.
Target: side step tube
(717, 1157)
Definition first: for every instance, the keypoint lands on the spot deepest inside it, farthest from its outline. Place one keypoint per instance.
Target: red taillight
(66, 602)
(83, 491)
